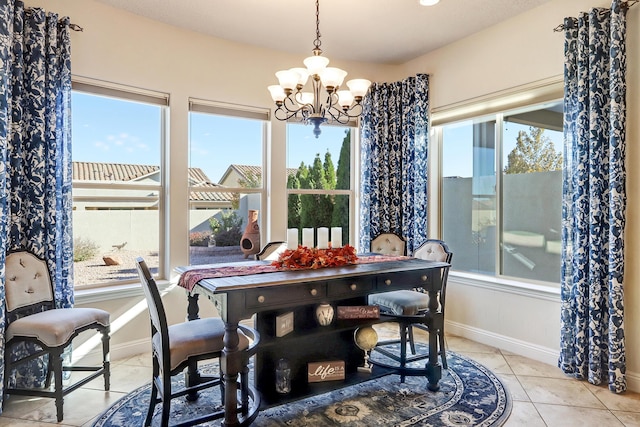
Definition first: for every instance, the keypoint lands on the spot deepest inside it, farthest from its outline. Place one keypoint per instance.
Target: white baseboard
(117, 352)
(522, 348)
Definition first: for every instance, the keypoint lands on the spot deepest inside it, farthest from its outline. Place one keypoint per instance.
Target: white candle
(336, 237)
(292, 238)
(323, 238)
(307, 237)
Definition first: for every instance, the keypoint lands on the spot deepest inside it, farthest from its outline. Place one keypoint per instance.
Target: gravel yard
(94, 271)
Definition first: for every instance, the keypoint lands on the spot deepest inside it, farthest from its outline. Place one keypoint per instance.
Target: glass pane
(218, 230)
(327, 159)
(468, 195)
(225, 153)
(319, 164)
(532, 194)
(225, 150)
(114, 141)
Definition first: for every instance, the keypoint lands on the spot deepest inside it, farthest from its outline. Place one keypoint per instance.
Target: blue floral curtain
(35, 149)
(393, 184)
(594, 197)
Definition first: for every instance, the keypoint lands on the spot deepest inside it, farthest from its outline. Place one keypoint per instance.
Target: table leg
(434, 370)
(192, 376)
(231, 366)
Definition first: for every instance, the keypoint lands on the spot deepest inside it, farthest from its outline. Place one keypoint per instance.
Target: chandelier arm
(341, 112)
(282, 115)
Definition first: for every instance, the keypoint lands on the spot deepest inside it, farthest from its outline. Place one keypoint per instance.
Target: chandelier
(317, 106)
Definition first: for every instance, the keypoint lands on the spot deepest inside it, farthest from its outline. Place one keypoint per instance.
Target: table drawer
(404, 280)
(283, 295)
(354, 286)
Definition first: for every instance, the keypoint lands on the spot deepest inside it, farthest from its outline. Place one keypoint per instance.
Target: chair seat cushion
(400, 303)
(196, 338)
(56, 327)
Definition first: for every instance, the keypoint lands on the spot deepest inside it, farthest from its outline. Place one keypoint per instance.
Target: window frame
(94, 87)
(352, 192)
(202, 106)
(494, 106)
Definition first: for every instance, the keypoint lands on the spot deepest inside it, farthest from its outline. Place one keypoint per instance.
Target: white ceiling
(377, 31)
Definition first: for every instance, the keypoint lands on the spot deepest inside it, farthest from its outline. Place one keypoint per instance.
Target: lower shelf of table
(302, 391)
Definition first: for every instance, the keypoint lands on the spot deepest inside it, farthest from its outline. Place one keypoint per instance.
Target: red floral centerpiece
(304, 258)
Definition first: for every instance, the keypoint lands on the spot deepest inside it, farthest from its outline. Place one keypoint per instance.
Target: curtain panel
(594, 197)
(394, 147)
(35, 152)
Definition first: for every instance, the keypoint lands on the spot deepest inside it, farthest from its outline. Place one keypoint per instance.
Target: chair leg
(166, 398)
(106, 364)
(152, 404)
(412, 343)
(441, 344)
(403, 350)
(57, 371)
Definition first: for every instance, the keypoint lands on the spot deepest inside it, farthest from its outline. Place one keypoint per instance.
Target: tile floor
(542, 395)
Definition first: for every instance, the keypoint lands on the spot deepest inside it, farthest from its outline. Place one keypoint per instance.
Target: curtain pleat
(35, 149)
(594, 197)
(393, 184)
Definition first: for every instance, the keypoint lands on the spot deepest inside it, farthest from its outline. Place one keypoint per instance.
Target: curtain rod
(627, 4)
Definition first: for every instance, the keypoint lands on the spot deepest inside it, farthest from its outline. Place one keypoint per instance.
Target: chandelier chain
(316, 42)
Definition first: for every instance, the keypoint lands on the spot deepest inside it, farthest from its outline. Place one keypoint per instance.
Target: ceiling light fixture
(429, 2)
(339, 106)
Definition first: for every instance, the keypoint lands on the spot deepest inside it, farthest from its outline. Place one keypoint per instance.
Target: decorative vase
(250, 240)
(324, 314)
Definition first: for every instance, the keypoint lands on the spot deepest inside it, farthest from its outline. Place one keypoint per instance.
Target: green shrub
(227, 230)
(84, 249)
(199, 238)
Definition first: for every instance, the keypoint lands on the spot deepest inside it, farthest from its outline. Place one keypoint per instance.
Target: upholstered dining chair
(410, 308)
(34, 319)
(181, 346)
(389, 244)
(271, 251)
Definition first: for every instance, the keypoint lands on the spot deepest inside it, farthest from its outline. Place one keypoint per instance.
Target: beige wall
(120, 47)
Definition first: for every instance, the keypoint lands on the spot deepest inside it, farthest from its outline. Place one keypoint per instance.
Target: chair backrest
(389, 244)
(436, 250)
(28, 286)
(159, 326)
(271, 251)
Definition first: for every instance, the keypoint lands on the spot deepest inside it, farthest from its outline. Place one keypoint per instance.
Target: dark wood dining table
(242, 290)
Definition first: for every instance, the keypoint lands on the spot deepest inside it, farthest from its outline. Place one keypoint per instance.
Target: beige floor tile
(17, 422)
(125, 378)
(139, 360)
(568, 416)
(459, 344)
(494, 361)
(628, 401)
(17, 406)
(521, 365)
(629, 419)
(524, 414)
(514, 387)
(559, 392)
(79, 407)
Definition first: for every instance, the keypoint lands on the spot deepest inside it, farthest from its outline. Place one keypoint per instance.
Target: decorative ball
(366, 337)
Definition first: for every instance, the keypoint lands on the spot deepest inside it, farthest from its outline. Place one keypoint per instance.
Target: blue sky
(113, 131)
(458, 146)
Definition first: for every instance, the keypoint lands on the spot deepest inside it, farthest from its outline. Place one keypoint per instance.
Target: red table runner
(190, 278)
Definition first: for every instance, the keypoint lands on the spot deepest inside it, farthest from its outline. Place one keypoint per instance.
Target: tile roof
(93, 171)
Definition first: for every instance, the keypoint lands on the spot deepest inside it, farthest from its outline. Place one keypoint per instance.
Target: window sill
(500, 284)
(112, 292)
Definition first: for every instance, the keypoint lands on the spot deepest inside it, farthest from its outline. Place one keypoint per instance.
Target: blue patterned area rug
(469, 395)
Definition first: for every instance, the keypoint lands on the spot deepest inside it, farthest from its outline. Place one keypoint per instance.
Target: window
(226, 179)
(320, 181)
(507, 223)
(118, 138)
